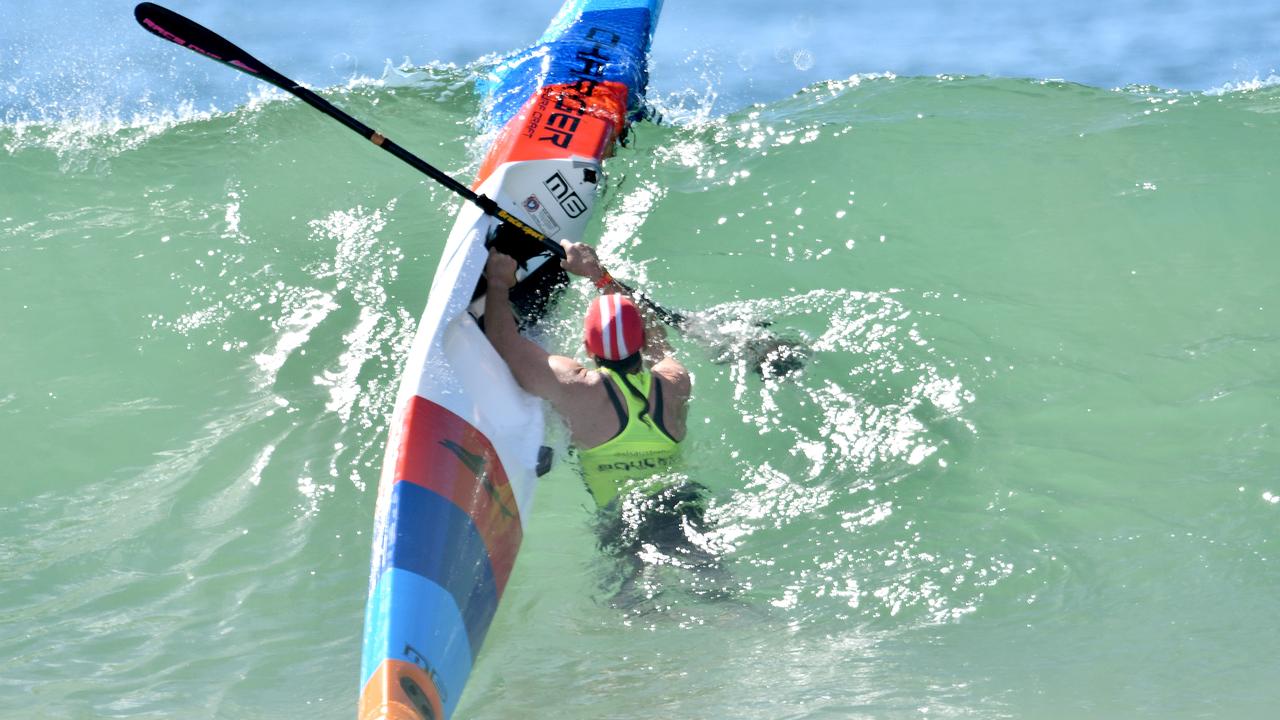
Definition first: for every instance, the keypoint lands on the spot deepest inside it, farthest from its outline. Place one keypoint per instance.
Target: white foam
(1242, 86)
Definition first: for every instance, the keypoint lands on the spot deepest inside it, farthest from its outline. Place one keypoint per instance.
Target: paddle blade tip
(780, 359)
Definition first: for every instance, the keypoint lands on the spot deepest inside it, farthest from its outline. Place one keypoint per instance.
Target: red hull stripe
(444, 453)
(561, 121)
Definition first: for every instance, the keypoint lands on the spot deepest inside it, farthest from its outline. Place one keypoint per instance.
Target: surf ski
(465, 446)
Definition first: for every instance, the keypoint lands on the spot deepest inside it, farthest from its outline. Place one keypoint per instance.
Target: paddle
(180, 30)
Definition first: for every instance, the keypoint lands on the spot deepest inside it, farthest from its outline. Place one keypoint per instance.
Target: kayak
(465, 448)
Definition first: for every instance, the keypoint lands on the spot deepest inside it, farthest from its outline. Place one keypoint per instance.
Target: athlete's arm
(581, 259)
(656, 348)
(536, 370)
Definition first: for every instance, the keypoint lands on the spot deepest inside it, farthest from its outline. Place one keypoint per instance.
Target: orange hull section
(561, 121)
(400, 691)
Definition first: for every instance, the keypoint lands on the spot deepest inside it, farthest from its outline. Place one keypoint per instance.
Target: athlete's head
(613, 328)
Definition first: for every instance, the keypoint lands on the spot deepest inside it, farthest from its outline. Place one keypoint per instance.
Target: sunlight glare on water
(1027, 469)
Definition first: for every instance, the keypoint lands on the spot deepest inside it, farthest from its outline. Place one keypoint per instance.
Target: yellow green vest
(642, 448)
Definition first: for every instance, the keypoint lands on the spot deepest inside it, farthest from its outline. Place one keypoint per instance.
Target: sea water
(1029, 470)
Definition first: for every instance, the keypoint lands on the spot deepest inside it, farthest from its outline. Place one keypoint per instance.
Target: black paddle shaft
(199, 39)
(183, 31)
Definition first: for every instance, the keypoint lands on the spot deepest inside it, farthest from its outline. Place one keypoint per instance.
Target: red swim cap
(613, 328)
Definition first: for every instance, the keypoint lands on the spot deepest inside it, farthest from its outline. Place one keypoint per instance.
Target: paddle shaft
(183, 31)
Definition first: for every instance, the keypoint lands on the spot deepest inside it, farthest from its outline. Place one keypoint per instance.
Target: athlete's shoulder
(677, 377)
(572, 374)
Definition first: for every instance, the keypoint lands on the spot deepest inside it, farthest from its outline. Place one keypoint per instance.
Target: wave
(1037, 317)
(92, 126)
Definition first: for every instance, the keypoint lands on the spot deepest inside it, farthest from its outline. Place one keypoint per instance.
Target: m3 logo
(569, 200)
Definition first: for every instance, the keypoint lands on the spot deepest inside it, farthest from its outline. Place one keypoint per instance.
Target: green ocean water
(1030, 469)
